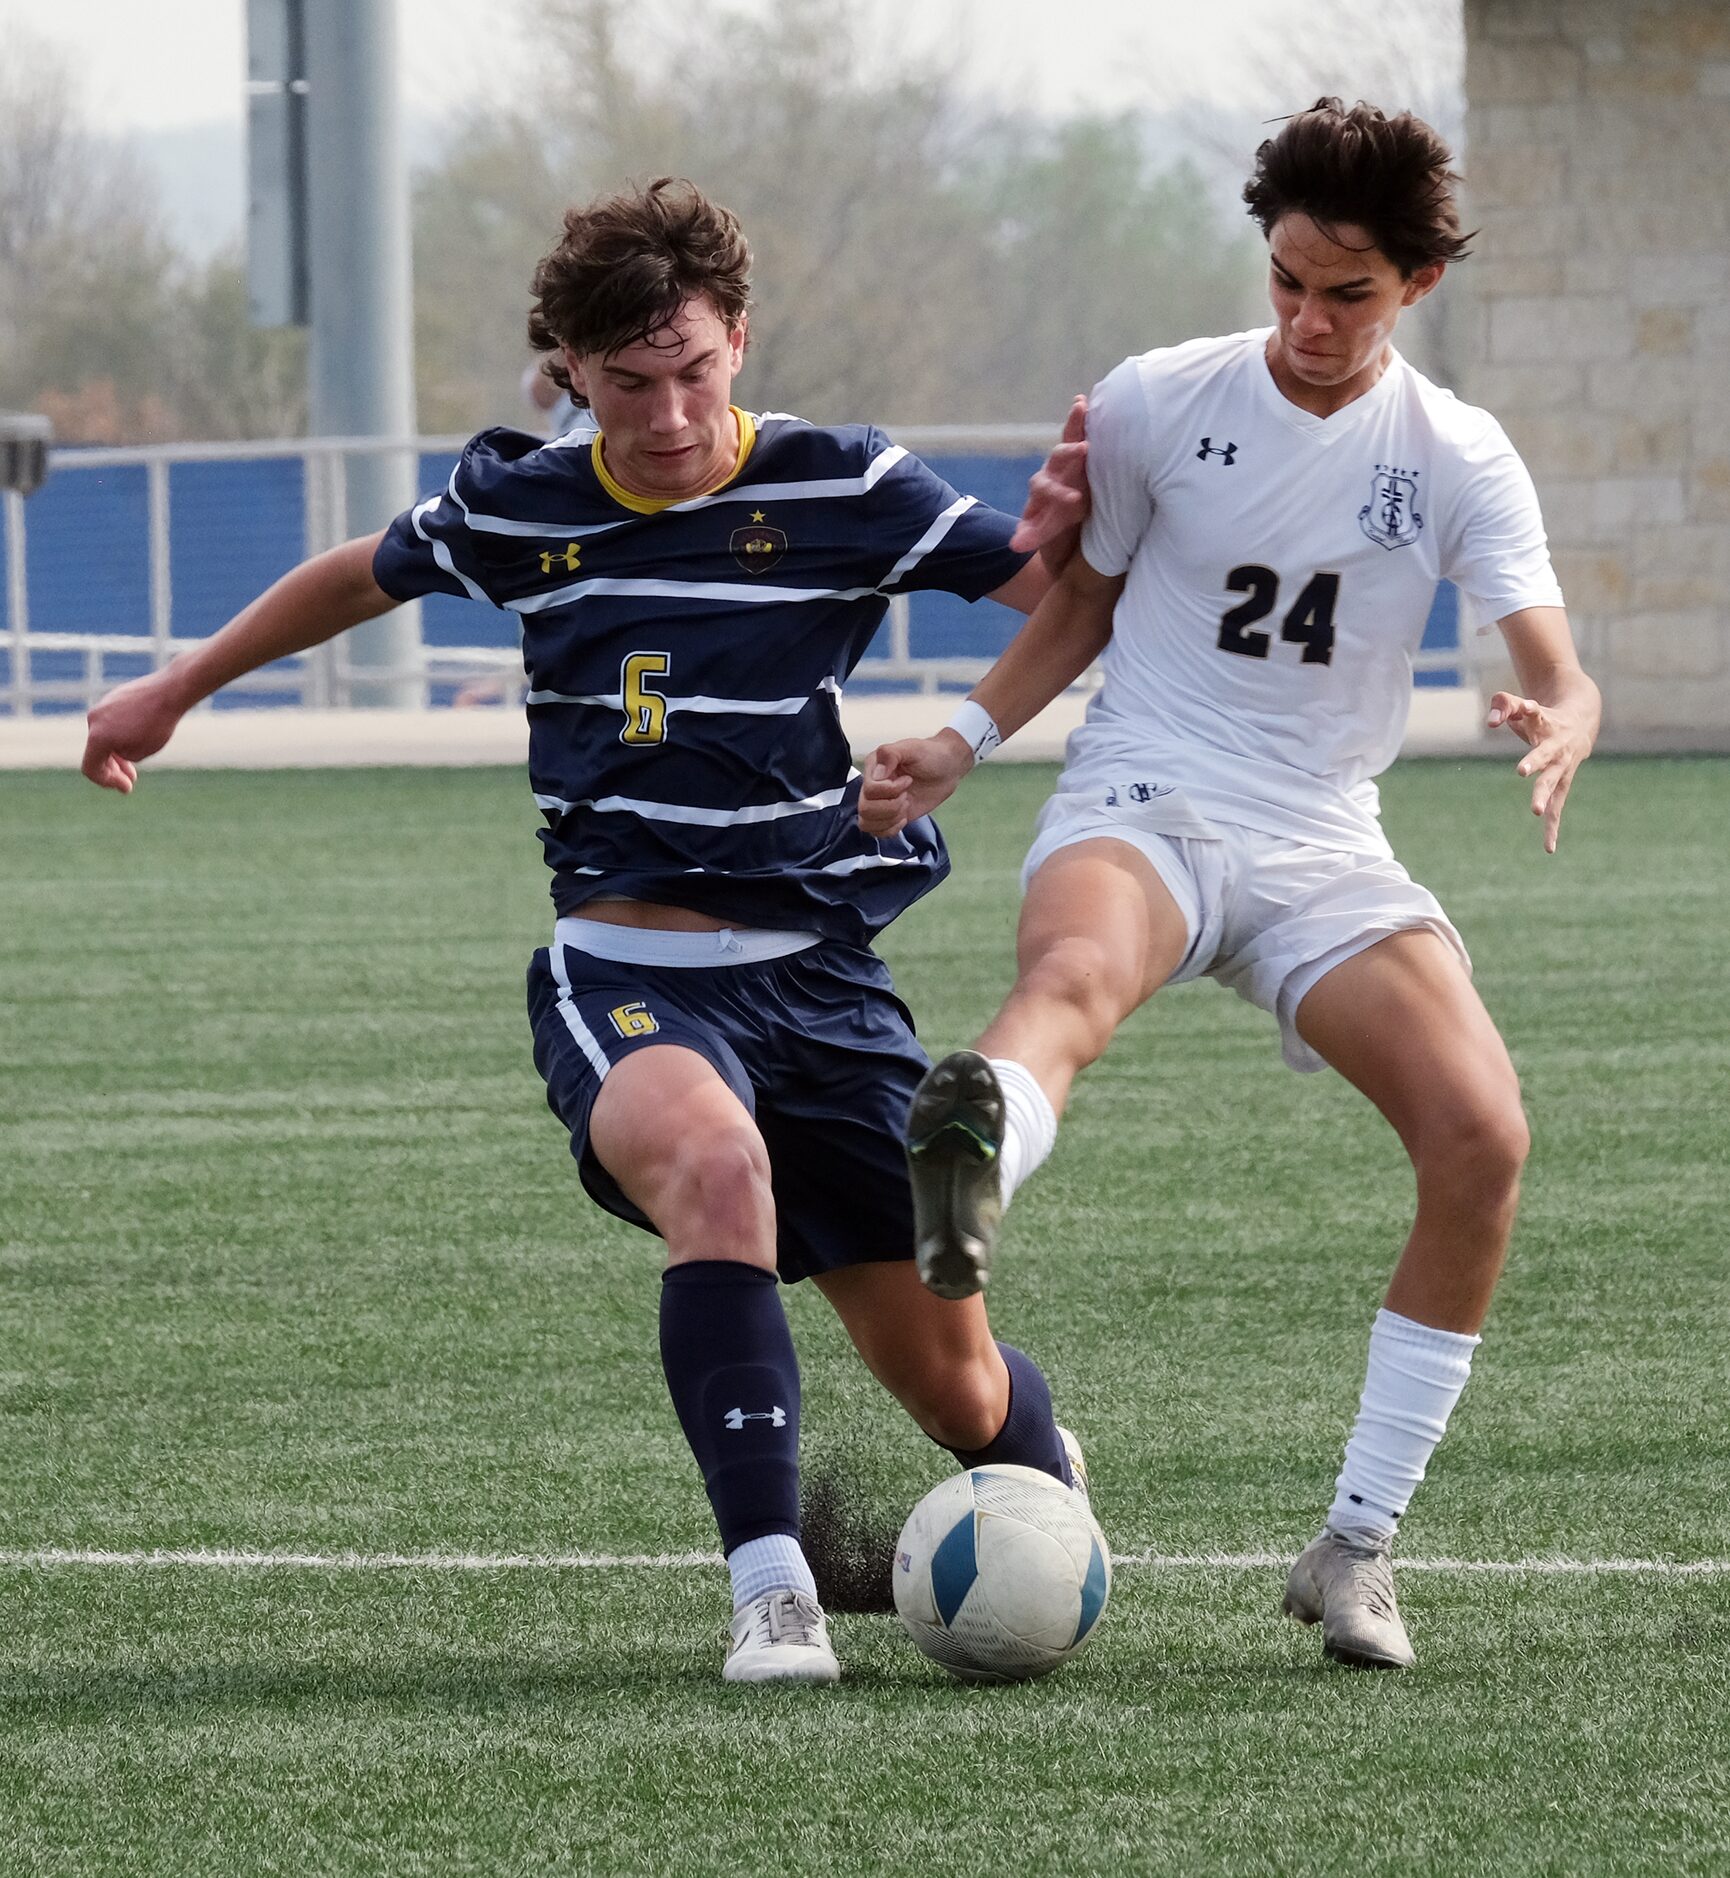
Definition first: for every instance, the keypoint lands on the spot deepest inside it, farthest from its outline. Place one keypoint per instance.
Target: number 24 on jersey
(1309, 621)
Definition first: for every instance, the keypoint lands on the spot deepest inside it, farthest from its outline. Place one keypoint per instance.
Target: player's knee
(1080, 976)
(1480, 1149)
(716, 1187)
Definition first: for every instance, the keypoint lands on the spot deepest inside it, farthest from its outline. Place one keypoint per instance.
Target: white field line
(1493, 1567)
(50, 1556)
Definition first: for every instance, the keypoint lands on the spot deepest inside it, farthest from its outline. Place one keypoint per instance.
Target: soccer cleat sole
(954, 1136)
(1354, 1659)
(955, 1270)
(819, 1672)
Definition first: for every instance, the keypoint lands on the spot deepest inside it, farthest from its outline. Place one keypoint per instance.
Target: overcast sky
(150, 64)
(169, 74)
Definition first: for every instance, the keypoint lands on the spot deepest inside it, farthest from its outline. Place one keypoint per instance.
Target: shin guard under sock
(734, 1380)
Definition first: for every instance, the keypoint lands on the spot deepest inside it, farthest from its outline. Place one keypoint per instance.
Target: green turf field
(295, 1260)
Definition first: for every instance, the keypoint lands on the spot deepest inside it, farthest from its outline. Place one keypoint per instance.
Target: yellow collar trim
(653, 505)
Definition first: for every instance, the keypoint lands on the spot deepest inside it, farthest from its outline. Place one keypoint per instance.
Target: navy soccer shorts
(816, 1045)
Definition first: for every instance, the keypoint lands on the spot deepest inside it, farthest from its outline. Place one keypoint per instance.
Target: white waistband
(653, 945)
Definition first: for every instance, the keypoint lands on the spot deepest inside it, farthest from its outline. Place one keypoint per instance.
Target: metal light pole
(330, 214)
(362, 363)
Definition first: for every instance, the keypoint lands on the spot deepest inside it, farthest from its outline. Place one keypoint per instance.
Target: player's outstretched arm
(1558, 714)
(310, 604)
(1066, 633)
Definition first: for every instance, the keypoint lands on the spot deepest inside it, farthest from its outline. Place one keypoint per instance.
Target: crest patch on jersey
(757, 548)
(1390, 518)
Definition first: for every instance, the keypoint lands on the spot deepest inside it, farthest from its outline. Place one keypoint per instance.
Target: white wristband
(976, 728)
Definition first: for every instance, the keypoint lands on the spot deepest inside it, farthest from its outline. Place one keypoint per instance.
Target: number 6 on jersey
(645, 710)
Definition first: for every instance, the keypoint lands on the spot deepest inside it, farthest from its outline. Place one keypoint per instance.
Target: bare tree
(78, 229)
(918, 258)
(57, 184)
(1403, 55)
(1097, 254)
(839, 166)
(103, 324)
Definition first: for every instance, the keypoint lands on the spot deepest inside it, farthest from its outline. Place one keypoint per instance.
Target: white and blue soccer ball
(1001, 1573)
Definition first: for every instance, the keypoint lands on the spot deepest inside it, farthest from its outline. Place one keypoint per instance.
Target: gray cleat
(954, 1136)
(1345, 1582)
(780, 1637)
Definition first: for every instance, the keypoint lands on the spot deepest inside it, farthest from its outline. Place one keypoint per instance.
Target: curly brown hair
(1392, 176)
(626, 265)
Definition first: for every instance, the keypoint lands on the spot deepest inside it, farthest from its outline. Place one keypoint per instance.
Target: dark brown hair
(628, 263)
(1390, 175)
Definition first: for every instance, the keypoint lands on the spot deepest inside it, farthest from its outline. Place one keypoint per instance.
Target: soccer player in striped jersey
(694, 584)
(1271, 513)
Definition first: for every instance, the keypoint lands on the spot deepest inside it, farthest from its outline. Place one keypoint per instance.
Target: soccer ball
(1001, 1574)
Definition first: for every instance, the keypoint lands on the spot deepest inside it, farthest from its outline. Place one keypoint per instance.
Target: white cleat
(780, 1637)
(1345, 1582)
(1077, 1462)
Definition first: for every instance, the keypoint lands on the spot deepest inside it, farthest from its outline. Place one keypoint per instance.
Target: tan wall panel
(1599, 312)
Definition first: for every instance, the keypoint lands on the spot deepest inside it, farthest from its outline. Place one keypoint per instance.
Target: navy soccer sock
(734, 1380)
(1028, 1437)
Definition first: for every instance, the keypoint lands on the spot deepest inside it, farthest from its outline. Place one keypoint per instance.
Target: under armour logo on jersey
(1228, 451)
(737, 1418)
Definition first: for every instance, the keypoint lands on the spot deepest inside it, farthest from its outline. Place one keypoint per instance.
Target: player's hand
(132, 722)
(1057, 499)
(908, 779)
(1558, 747)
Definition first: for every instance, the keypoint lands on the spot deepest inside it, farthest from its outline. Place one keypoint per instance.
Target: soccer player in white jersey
(1271, 514)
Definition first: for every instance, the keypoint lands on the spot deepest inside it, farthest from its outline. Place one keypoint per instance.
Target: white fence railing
(324, 677)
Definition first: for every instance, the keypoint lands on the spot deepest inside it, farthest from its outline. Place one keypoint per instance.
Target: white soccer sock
(1414, 1379)
(773, 1563)
(1029, 1125)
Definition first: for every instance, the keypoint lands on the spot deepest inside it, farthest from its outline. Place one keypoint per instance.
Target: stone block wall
(1595, 323)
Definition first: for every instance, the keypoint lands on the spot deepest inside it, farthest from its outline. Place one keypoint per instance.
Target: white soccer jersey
(1280, 570)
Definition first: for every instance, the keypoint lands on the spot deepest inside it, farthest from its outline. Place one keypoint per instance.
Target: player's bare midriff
(648, 913)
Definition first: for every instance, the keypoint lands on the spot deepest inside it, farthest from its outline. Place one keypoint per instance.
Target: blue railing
(124, 555)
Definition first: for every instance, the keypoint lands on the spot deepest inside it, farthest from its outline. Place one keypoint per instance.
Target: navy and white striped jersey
(685, 660)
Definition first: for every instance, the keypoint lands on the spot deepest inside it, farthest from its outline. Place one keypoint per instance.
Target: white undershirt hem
(654, 945)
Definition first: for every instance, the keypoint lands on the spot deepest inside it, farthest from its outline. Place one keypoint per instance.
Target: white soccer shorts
(1267, 916)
